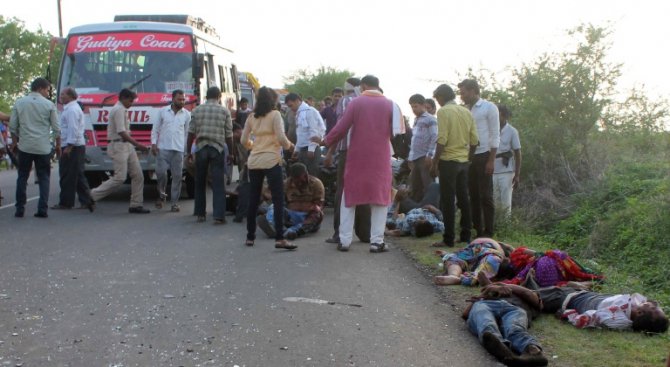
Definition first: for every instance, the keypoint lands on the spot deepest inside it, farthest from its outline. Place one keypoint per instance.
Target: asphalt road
(118, 289)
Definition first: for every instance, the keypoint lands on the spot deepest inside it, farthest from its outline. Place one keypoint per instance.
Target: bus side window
(235, 79)
(211, 71)
(222, 79)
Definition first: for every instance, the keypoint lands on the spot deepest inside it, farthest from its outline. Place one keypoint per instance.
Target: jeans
(481, 196)
(298, 222)
(173, 160)
(454, 185)
(72, 179)
(276, 184)
(513, 329)
(43, 173)
(209, 159)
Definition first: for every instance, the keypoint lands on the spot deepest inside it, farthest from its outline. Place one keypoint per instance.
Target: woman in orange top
(267, 127)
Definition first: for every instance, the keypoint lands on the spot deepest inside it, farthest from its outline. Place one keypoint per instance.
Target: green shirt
(33, 120)
(211, 123)
(456, 131)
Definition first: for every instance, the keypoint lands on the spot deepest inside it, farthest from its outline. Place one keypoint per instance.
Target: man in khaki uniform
(121, 148)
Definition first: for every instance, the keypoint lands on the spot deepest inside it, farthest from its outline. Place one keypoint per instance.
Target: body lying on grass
(500, 317)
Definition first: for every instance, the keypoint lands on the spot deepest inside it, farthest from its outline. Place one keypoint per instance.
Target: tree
(24, 58)
(317, 84)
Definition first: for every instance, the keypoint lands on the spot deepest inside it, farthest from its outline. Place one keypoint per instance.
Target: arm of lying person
(470, 303)
(527, 295)
(432, 209)
(395, 233)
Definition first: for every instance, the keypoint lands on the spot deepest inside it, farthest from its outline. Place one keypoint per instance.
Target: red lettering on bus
(103, 116)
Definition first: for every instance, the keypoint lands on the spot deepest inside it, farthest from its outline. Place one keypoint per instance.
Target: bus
(152, 55)
(248, 87)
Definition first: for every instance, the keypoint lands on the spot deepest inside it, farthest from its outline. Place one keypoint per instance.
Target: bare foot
(446, 280)
(440, 253)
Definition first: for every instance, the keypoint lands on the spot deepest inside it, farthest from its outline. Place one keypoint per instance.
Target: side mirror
(198, 66)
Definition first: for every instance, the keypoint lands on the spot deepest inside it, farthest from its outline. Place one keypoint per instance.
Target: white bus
(152, 55)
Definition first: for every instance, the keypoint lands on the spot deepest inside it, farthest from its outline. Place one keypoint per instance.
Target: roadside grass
(564, 345)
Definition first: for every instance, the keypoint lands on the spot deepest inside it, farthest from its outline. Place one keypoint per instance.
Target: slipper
(441, 244)
(285, 245)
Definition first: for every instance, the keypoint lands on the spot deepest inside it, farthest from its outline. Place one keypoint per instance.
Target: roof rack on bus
(197, 23)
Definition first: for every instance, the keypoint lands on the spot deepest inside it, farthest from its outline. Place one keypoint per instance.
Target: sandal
(378, 247)
(285, 245)
(441, 244)
(343, 248)
(249, 243)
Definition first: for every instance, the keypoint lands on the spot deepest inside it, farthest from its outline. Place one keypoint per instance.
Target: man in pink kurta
(367, 174)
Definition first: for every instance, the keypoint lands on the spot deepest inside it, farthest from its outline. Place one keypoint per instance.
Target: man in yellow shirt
(456, 137)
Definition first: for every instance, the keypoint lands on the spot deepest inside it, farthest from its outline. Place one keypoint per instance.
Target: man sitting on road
(304, 202)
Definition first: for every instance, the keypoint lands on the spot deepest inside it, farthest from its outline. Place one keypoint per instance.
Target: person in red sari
(549, 268)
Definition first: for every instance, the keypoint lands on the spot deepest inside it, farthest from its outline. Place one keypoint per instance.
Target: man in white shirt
(73, 158)
(168, 138)
(309, 124)
(480, 180)
(613, 311)
(507, 170)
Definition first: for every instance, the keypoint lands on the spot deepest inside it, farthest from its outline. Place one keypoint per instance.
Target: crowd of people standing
(471, 149)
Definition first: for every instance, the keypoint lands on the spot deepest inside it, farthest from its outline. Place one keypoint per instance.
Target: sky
(412, 46)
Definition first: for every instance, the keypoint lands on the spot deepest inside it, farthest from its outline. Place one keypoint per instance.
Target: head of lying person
(649, 317)
(423, 228)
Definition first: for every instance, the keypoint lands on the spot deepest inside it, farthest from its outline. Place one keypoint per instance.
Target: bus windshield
(107, 63)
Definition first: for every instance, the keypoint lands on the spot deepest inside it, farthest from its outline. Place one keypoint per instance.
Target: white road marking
(318, 301)
(12, 204)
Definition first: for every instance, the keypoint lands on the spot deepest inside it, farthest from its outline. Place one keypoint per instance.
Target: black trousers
(454, 186)
(72, 179)
(481, 196)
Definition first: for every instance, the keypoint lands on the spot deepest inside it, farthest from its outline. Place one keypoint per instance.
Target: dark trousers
(242, 194)
(312, 164)
(276, 184)
(72, 179)
(454, 186)
(481, 196)
(431, 197)
(43, 172)
(419, 179)
(362, 220)
(209, 159)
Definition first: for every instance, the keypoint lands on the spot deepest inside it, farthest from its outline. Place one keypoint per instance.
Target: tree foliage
(23, 57)
(318, 83)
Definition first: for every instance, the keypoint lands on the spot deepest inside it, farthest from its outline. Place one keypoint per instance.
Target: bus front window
(110, 71)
